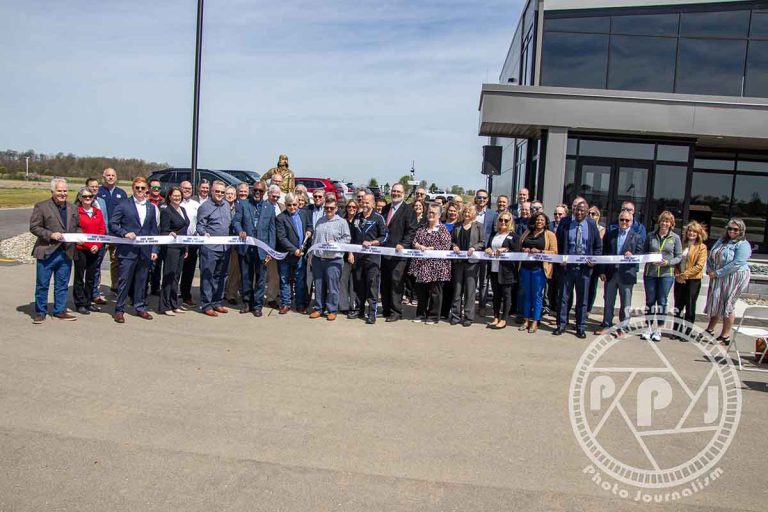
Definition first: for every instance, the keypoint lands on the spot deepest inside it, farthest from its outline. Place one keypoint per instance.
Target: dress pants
(213, 273)
(347, 300)
(133, 280)
(502, 296)
(686, 295)
(253, 277)
(464, 278)
(292, 268)
(392, 283)
(188, 272)
(574, 277)
(327, 275)
(612, 287)
(482, 281)
(430, 296)
(173, 262)
(86, 264)
(114, 270)
(232, 286)
(367, 276)
(58, 266)
(532, 282)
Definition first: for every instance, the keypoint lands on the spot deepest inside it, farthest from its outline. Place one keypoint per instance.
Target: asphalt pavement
(14, 221)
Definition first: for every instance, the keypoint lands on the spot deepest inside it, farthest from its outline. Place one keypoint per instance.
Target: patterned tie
(579, 240)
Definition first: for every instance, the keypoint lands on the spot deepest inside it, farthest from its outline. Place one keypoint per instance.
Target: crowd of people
(366, 285)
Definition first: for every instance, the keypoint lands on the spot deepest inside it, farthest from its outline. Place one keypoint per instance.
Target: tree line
(13, 165)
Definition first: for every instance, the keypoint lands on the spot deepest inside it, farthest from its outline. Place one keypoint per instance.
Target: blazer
(286, 235)
(550, 247)
(489, 224)
(257, 220)
(46, 221)
(695, 263)
(633, 243)
(172, 222)
(507, 269)
(125, 219)
(402, 227)
(594, 246)
(476, 238)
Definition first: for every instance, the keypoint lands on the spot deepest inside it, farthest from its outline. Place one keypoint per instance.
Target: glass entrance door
(606, 183)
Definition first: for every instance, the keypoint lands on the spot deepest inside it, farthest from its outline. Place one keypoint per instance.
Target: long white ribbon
(359, 249)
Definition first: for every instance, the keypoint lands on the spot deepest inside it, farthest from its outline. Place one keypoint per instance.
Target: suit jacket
(287, 237)
(402, 227)
(172, 222)
(125, 219)
(507, 269)
(46, 221)
(258, 221)
(594, 245)
(476, 236)
(489, 225)
(633, 243)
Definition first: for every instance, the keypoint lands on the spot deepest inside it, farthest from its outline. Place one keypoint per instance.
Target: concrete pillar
(554, 170)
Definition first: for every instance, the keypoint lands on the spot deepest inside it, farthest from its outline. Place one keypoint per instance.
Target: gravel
(18, 247)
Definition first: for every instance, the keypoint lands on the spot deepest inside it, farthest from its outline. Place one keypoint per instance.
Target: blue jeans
(656, 293)
(58, 266)
(612, 287)
(327, 276)
(532, 281)
(213, 272)
(294, 267)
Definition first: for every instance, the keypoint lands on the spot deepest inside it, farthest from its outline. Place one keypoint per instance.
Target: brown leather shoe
(144, 314)
(65, 316)
(284, 310)
(221, 309)
(120, 318)
(38, 319)
(301, 311)
(331, 317)
(210, 312)
(100, 300)
(315, 314)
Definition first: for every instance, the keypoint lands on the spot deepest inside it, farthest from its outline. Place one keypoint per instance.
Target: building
(661, 102)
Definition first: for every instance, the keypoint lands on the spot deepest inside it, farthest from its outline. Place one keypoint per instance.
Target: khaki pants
(273, 282)
(113, 266)
(233, 278)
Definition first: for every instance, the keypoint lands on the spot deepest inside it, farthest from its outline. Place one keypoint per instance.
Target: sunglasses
(218, 191)
(153, 187)
(139, 187)
(733, 229)
(505, 221)
(330, 208)
(624, 220)
(351, 207)
(594, 214)
(260, 191)
(86, 196)
(482, 198)
(318, 197)
(292, 204)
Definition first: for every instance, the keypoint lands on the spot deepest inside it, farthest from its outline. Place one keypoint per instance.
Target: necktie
(579, 240)
(390, 214)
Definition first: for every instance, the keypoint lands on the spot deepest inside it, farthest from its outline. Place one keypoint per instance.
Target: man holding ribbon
(369, 230)
(401, 225)
(213, 219)
(294, 230)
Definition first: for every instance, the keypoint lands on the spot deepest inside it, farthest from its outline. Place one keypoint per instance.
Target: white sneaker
(417, 320)
(656, 336)
(431, 322)
(647, 334)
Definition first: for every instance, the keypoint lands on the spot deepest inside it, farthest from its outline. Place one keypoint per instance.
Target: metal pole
(196, 107)
(26, 175)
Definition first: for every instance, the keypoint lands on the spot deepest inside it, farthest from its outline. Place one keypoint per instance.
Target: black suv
(172, 177)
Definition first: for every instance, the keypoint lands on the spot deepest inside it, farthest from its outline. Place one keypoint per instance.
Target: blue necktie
(579, 240)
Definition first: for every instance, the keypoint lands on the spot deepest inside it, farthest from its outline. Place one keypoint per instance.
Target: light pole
(196, 106)
(26, 174)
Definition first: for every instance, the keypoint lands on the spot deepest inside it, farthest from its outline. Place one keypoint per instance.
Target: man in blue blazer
(576, 235)
(255, 218)
(131, 218)
(619, 278)
(294, 231)
(487, 218)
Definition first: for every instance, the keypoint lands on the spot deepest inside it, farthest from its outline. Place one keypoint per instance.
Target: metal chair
(750, 313)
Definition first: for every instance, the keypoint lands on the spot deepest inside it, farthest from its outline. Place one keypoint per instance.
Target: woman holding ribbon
(502, 274)
(537, 239)
(173, 220)
(430, 273)
(327, 266)
(466, 237)
(87, 253)
(660, 276)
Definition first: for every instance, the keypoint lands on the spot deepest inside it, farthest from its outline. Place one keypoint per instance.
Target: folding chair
(750, 313)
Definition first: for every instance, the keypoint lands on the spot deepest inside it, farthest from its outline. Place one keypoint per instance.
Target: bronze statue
(282, 169)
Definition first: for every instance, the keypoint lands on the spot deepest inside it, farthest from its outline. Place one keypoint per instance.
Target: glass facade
(718, 49)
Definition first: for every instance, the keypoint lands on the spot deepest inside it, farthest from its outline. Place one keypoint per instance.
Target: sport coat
(594, 245)
(45, 221)
(489, 224)
(258, 221)
(125, 219)
(287, 237)
(402, 227)
(476, 237)
(633, 243)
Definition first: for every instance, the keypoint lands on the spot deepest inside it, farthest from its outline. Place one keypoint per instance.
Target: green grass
(17, 197)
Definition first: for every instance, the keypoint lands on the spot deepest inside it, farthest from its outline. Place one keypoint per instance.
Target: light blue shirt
(621, 239)
(572, 235)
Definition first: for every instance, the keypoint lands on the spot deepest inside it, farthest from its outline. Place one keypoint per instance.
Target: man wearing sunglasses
(637, 227)
(213, 219)
(294, 231)
(132, 218)
(156, 270)
(487, 218)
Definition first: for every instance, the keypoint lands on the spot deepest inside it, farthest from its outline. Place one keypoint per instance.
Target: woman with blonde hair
(467, 236)
(660, 276)
(502, 274)
(594, 214)
(689, 271)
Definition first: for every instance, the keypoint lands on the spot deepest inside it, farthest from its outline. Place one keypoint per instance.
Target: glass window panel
(752, 166)
(575, 60)
(572, 145)
(710, 66)
(715, 24)
(672, 153)
(595, 185)
(640, 63)
(710, 200)
(646, 24)
(632, 186)
(570, 179)
(759, 24)
(756, 81)
(614, 149)
(669, 190)
(750, 202)
(595, 24)
(726, 164)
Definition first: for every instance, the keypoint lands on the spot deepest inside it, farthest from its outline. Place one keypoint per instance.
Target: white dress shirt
(191, 206)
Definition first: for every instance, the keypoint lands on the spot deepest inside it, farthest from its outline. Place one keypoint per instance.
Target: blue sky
(348, 89)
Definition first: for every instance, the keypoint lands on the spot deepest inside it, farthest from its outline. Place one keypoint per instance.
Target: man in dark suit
(50, 220)
(294, 230)
(487, 218)
(255, 218)
(576, 235)
(619, 278)
(131, 218)
(401, 224)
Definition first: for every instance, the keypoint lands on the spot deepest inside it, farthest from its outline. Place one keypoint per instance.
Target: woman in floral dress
(430, 273)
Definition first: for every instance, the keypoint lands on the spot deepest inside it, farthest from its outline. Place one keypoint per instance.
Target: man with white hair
(274, 193)
(50, 220)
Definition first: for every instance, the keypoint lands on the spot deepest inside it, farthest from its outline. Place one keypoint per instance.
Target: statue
(282, 169)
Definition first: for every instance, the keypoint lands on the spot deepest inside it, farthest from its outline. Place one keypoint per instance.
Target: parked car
(376, 191)
(249, 177)
(325, 184)
(348, 194)
(432, 195)
(352, 188)
(172, 177)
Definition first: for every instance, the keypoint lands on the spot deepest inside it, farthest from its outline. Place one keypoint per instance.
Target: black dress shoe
(558, 332)
(467, 323)
(83, 310)
(257, 312)
(454, 321)
(94, 308)
(581, 335)
(393, 318)
(370, 320)
(352, 315)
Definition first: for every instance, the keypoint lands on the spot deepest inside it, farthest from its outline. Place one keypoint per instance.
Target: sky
(350, 89)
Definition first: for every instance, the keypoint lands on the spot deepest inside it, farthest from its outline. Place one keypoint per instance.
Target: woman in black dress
(173, 219)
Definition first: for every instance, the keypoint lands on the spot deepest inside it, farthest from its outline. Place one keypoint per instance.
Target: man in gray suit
(50, 220)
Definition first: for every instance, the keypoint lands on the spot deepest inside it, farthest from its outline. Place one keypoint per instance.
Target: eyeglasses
(505, 221)
(625, 220)
(594, 214)
(139, 187)
(259, 190)
(330, 208)
(351, 207)
(86, 196)
(733, 229)
(154, 187)
(291, 204)
(218, 191)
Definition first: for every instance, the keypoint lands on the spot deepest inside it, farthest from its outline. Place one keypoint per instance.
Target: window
(715, 24)
(669, 190)
(759, 24)
(756, 80)
(641, 63)
(711, 200)
(672, 153)
(646, 24)
(593, 24)
(573, 144)
(750, 202)
(615, 149)
(710, 66)
(575, 60)
(168, 177)
(725, 164)
(752, 165)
